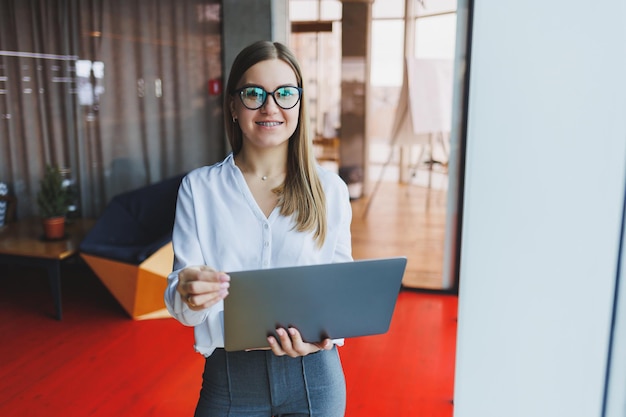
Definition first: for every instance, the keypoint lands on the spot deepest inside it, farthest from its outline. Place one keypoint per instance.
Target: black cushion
(135, 224)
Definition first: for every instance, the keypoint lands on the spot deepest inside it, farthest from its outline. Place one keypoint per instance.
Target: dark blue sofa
(129, 247)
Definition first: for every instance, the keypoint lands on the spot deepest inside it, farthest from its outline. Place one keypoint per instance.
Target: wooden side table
(22, 242)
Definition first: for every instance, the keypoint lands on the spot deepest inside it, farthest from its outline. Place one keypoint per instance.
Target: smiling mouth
(269, 124)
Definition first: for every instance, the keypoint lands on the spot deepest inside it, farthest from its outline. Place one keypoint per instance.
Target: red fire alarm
(215, 87)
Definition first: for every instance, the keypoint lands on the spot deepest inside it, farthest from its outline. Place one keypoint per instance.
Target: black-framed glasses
(254, 97)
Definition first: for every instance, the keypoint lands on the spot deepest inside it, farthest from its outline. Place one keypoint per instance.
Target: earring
(234, 119)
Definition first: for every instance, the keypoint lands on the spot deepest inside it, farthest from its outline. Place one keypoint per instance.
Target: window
(316, 41)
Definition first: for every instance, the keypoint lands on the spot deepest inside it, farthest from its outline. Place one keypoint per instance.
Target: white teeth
(268, 124)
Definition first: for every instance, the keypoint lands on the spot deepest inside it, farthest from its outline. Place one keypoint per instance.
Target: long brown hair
(302, 193)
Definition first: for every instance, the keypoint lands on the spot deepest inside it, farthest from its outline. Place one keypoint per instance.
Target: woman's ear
(233, 113)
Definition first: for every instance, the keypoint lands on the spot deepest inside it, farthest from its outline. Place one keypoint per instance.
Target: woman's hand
(202, 286)
(290, 343)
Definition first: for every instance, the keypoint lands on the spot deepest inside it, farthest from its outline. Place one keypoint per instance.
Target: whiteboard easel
(424, 114)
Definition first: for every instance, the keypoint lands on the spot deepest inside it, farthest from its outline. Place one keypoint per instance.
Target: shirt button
(266, 244)
(265, 226)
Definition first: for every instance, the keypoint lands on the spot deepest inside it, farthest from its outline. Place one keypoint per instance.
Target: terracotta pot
(54, 227)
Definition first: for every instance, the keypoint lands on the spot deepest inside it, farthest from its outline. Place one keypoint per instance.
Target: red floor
(97, 362)
(410, 370)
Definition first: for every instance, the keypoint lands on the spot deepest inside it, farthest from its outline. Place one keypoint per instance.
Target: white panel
(546, 157)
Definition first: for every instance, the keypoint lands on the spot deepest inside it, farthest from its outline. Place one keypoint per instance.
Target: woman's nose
(270, 105)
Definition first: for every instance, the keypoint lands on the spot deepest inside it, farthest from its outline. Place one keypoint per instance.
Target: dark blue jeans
(260, 384)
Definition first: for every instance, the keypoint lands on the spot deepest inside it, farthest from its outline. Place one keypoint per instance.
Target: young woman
(267, 205)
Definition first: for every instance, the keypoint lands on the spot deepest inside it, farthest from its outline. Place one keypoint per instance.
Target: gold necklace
(244, 169)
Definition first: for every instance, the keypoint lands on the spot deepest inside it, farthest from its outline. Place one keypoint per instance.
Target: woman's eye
(285, 92)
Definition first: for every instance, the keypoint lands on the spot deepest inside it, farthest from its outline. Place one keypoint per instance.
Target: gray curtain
(116, 91)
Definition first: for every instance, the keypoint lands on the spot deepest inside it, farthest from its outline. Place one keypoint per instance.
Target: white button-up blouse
(218, 223)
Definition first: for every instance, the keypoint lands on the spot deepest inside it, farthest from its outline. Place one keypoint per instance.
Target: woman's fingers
(290, 343)
(204, 287)
(282, 346)
(205, 300)
(196, 274)
(325, 344)
(201, 286)
(275, 346)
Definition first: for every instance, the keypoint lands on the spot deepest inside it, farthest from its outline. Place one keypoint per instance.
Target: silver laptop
(334, 301)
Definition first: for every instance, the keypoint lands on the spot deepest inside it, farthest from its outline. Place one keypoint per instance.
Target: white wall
(546, 164)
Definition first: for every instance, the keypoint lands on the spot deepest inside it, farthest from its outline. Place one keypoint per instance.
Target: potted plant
(53, 199)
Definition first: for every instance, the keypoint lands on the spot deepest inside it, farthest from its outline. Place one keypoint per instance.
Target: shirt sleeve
(343, 248)
(338, 216)
(340, 201)
(187, 252)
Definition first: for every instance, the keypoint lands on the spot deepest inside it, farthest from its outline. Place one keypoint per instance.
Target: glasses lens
(253, 97)
(287, 97)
